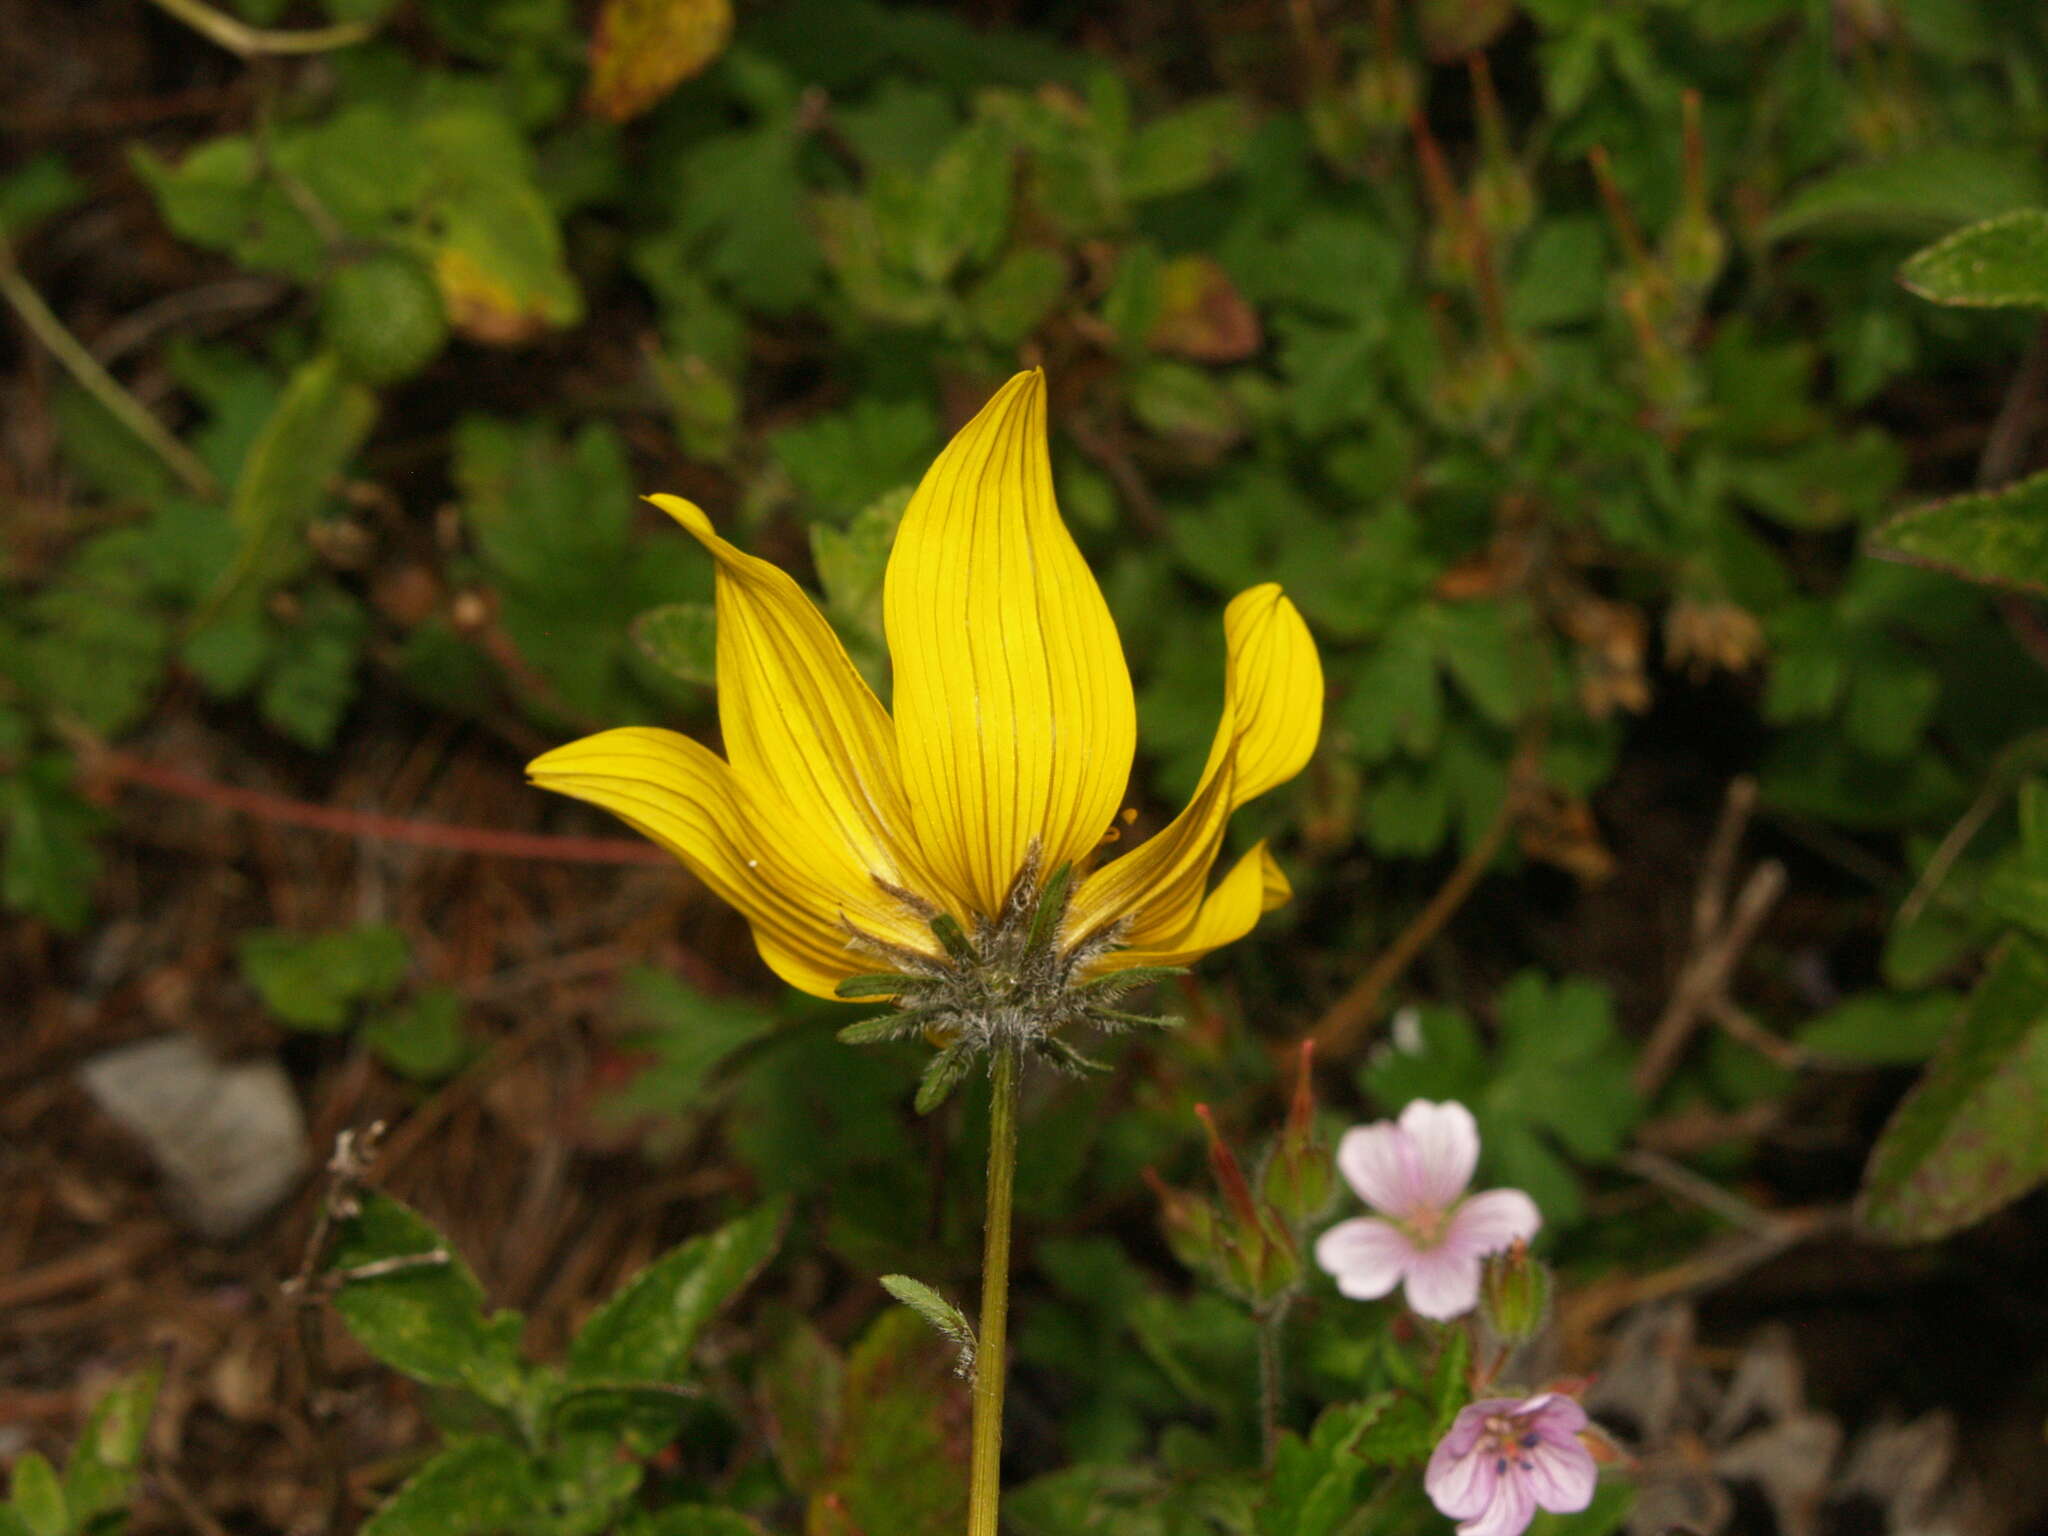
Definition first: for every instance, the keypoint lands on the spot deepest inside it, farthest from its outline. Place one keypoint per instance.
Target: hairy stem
(985, 1483)
(1270, 1320)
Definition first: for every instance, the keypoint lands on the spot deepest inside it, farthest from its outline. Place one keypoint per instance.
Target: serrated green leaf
(426, 1320)
(482, 1487)
(1185, 148)
(1018, 294)
(1999, 537)
(646, 1331)
(1968, 1140)
(315, 981)
(311, 679)
(2000, 262)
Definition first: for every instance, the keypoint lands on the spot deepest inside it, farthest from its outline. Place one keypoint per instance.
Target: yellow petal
(1014, 717)
(1272, 714)
(686, 798)
(803, 731)
(1254, 886)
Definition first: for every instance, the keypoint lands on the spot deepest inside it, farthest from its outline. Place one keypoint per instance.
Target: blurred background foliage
(1549, 352)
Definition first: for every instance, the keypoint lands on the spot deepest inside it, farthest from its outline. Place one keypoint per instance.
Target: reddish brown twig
(484, 841)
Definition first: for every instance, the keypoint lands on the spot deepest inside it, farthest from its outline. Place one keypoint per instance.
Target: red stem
(487, 841)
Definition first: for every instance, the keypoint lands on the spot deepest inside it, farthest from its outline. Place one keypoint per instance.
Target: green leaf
(681, 639)
(311, 679)
(901, 1465)
(1968, 1140)
(495, 244)
(320, 421)
(1313, 1488)
(2000, 262)
(423, 1038)
(1919, 193)
(646, 1331)
(49, 863)
(843, 461)
(219, 197)
(691, 1035)
(1999, 537)
(38, 1496)
(1018, 294)
(482, 1487)
(1882, 1028)
(1184, 149)
(38, 190)
(426, 1320)
(107, 1458)
(315, 981)
(801, 1386)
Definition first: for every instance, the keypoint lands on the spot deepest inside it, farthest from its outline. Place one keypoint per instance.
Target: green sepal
(942, 1074)
(948, 1320)
(1064, 1055)
(947, 930)
(1117, 983)
(881, 984)
(1051, 910)
(885, 1026)
(1114, 1018)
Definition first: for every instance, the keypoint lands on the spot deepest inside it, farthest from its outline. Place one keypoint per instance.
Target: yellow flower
(842, 834)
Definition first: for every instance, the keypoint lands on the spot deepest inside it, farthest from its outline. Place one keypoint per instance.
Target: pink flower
(1414, 1174)
(1504, 1458)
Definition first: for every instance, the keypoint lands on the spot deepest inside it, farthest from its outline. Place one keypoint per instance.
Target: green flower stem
(991, 1352)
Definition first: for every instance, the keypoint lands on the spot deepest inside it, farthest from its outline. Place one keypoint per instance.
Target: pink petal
(1460, 1483)
(1446, 1143)
(1555, 1417)
(1491, 1221)
(1367, 1256)
(1443, 1283)
(1509, 1512)
(1560, 1476)
(1378, 1163)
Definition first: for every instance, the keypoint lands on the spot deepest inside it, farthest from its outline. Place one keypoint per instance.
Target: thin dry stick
(487, 841)
(248, 42)
(1720, 937)
(43, 324)
(1353, 1013)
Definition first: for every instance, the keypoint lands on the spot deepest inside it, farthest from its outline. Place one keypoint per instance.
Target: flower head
(951, 844)
(1504, 1458)
(1430, 1235)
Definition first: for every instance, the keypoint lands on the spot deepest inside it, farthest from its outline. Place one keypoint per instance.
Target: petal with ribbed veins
(1272, 714)
(796, 896)
(1254, 887)
(1014, 717)
(803, 731)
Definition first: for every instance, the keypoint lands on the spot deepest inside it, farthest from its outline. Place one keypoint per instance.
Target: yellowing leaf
(643, 49)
